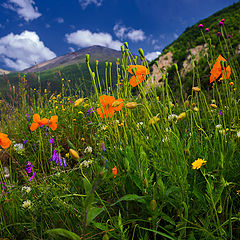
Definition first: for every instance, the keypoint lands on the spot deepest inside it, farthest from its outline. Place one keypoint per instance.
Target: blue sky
(33, 31)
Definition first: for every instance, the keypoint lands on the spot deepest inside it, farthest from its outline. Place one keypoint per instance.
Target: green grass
(156, 193)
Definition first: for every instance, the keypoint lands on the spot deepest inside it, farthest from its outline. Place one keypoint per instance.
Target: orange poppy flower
(108, 109)
(37, 122)
(114, 171)
(5, 142)
(141, 73)
(216, 71)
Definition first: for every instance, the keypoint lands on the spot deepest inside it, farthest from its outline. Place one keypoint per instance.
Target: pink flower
(206, 29)
(200, 26)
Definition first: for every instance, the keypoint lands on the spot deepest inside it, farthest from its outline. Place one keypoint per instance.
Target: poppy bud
(126, 45)
(186, 103)
(105, 237)
(110, 64)
(96, 62)
(153, 204)
(122, 49)
(154, 120)
(182, 116)
(176, 66)
(131, 105)
(74, 154)
(213, 106)
(106, 63)
(78, 102)
(141, 52)
(196, 89)
(114, 171)
(166, 110)
(116, 104)
(87, 58)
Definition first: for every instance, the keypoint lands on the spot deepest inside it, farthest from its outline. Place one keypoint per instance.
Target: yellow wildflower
(78, 102)
(198, 163)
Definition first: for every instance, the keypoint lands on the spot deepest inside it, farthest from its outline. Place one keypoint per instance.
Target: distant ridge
(96, 53)
(2, 71)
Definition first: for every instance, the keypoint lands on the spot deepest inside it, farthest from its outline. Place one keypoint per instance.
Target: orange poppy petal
(119, 108)
(36, 117)
(99, 111)
(5, 142)
(134, 82)
(3, 135)
(34, 126)
(53, 119)
(228, 69)
(140, 69)
(44, 121)
(53, 126)
(105, 100)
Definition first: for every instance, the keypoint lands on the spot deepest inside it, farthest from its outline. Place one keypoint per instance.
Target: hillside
(97, 53)
(190, 46)
(71, 66)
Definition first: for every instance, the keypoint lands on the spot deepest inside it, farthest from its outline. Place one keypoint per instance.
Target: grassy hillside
(193, 37)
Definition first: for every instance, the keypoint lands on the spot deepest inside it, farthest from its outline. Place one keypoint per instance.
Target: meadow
(130, 161)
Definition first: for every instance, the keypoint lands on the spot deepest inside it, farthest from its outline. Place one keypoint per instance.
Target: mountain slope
(96, 52)
(191, 46)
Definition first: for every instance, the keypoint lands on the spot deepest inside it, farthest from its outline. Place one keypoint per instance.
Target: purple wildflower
(229, 36)
(200, 26)
(206, 29)
(25, 141)
(105, 163)
(29, 167)
(51, 140)
(220, 113)
(91, 110)
(2, 184)
(53, 156)
(103, 147)
(218, 34)
(31, 178)
(64, 163)
(220, 23)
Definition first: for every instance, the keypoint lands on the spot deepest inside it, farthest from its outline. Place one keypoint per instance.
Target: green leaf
(160, 233)
(93, 213)
(87, 186)
(130, 197)
(64, 233)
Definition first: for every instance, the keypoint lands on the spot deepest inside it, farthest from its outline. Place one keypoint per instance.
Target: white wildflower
(26, 204)
(238, 134)
(139, 125)
(222, 132)
(88, 149)
(18, 147)
(172, 117)
(6, 172)
(219, 126)
(26, 189)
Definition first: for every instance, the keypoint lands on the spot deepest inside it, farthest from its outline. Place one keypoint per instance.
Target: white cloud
(152, 55)
(71, 49)
(123, 32)
(85, 38)
(85, 3)
(175, 35)
(23, 50)
(24, 8)
(60, 20)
